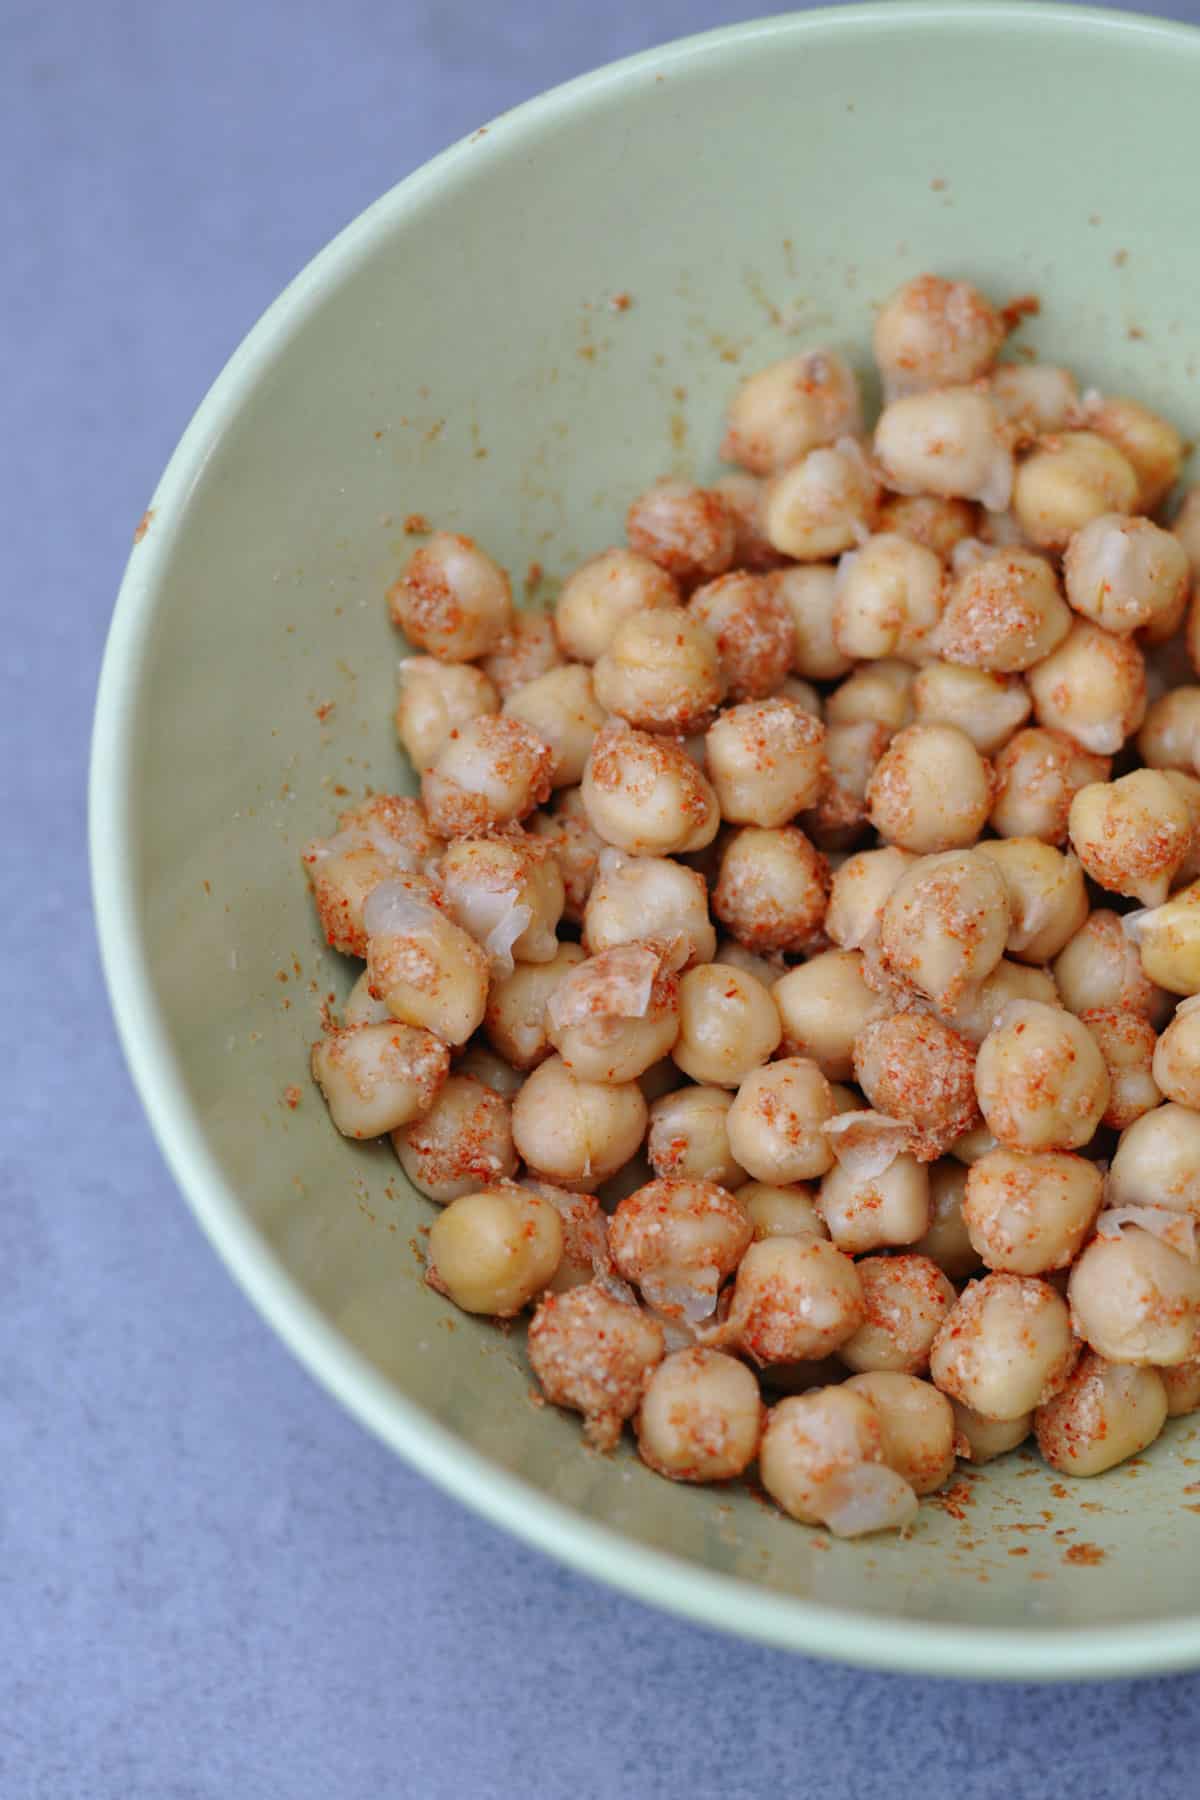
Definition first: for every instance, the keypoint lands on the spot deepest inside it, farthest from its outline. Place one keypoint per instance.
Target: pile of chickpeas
(785, 982)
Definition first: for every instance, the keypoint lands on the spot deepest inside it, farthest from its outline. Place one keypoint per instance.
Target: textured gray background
(212, 1583)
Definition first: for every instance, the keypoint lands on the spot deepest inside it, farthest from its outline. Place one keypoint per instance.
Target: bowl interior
(458, 354)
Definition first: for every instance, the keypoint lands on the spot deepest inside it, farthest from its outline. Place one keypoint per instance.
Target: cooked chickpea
(1041, 1079)
(452, 600)
(492, 1070)
(979, 1440)
(1046, 895)
(948, 442)
(822, 505)
(928, 519)
(766, 761)
(514, 1021)
(1176, 1064)
(751, 625)
(1069, 478)
(809, 592)
(1168, 941)
(492, 772)
(776, 1120)
(1136, 1300)
(662, 672)
(1149, 443)
(1093, 687)
(377, 1077)
(794, 1299)
(1132, 835)
(508, 893)
(878, 693)
(677, 1241)
(781, 1212)
(947, 1241)
(987, 707)
(689, 1139)
(1125, 573)
(804, 695)
(601, 593)
(562, 708)
(945, 923)
(742, 494)
(917, 1424)
(930, 790)
(728, 1025)
(875, 1212)
(1038, 397)
(1157, 1162)
(382, 840)
(426, 969)
(781, 412)
(462, 1143)
(821, 1461)
(772, 888)
(1182, 1385)
(645, 795)
(1188, 789)
(701, 1417)
(1127, 1043)
(1005, 1347)
(435, 698)
(934, 333)
(767, 970)
(916, 1069)
(889, 599)
(639, 897)
(852, 753)
(574, 846)
(1106, 1413)
(362, 1008)
(1037, 775)
(1100, 970)
(905, 1298)
(576, 1132)
(1029, 1212)
(860, 890)
(613, 1016)
(824, 1004)
(686, 530)
(528, 648)
(493, 1251)
(1004, 614)
(1186, 526)
(979, 1007)
(968, 1148)
(1170, 736)
(594, 1355)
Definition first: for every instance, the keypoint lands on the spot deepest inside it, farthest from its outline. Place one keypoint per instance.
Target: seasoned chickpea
(585, 1256)
(1182, 1384)
(905, 1298)
(878, 693)
(508, 893)
(742, 494)
(928, 519)
(493, 1251)
(452, 600)
(688, 531)
(435, 698)
(1170, 736)
(492, 1070)
(987, 707)
(1127, 1043)
(689, 1139)
(1188, 789)
(781, 1212)
(1004, 614)
(1125, 573)
(1100, 970)
(1106, 1413)
(677, 1241)
(529, 648)
(1136, 1300)
(776, 1120)
(1037, 775)
(917, 1423)
(874, 1212)
(767, 970)
(492, 772)
(514, 1022)
(860, 890)
(935, 333)
(426, 969)
(613, 1016)
(781, 412)
(852, 753)
(662, 672)
(574, 846)
(889, 599)
(821, 1461)
(1186, 526)
(1041, 1079)
(1132, 835)
(979, 1007)
(1157, 1162)
(822, 505)
(1149, 443)
(601, 593)
(564, 711)
(930, 790)
(385, 838)
(824, 1004)
(728, 1025)
(968, 1148)
(945, 923)
(637, 897)
(1038, 397)
(1005, 1347)
(772, 888)
(1168, 941)
(751, 625)
(1046, 895)
(462, 1143)
(1027, 1212)
(793, 1300)
(645, 795)
(766, 761)
(576, 1133)
(916, 1069)
(1093, 687)
(701, 1417)
(1071, 477)
(949, 442)
(362, 1008)
(947, 1242)
(595, 1355)
(809, 592)
(377, 1077)
(804, 695)
(1176, 1064)
(979, 1440)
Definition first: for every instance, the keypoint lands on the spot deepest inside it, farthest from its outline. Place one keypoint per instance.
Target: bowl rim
(681, 1587)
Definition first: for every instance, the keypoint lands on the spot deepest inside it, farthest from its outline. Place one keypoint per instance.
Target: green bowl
(456, 352)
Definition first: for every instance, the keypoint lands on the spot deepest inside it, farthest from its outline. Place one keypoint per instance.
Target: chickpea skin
(639, 897)
(613, 1016)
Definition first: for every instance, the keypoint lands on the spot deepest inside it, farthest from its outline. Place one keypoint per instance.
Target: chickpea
(677, 1241)
(1132, 835)
(752, 627)
(889, 598)
(508, 893)
(435, 698)
(906, 1298)
(1168, 941)
(1005, 1347)
(1176, 1063)
(917, 1423)
(930, 790)
(645, 795)
(917, 1070)
(1149, 443)
(928, 519)
(1038, 397)
(793, 1300)
(585, 1256)
(968, 1148)
(1157, 1162)
(1046, 895)
(492, 1070)
(742, 494)
(948, 442)
(615, 1015)
(780, 413)
(1100, 970)
(1037, 775)
(385, 839)
(574, 1132)
(463, 1142)
(775, 1122)
(492, 772)
(1125, 573)
(824, 1004)
(947, 1241)
(728, 1025)
(1170, 736)
(821, 1461)
(563, 710)
(528, 648)
(852, 753)
(377, 1077)
(767, 970)
(975, 1013)
(1004, 614)
(1068, 479)
(1186, 527)
(1182, 1385)
(493, 1251)
(945, 923)
(661, 671)
(689, 1137)
(1127, 1043)
(878, 693)
(637, 897)
(781, 1212)
(821, 505)
(701, 1417)
(987, 707)
(978, 1440)
(1028, 1213)
(766, 761)
(452, 600)
(613, 586)
(1041, 1079)
(809, 592)
(1093, 687)
(772, 888)
(860, 890)
(686, 530)
(515, 1018)
(574, 846)
(1106, 1413)
(935, 333)
(426, 969)
(1188, 789)
(804, 695)
(595, 1356)
(361, 1006)
(874, 1212)
(1135, 1300)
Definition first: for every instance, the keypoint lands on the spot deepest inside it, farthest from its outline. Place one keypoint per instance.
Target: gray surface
(212, 1583)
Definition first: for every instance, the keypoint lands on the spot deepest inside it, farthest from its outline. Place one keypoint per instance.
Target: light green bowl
(456, 353)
